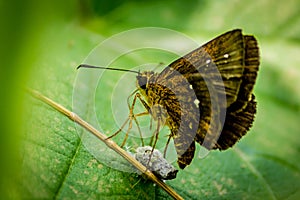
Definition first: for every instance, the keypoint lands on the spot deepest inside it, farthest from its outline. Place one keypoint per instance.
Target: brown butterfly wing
(226, 52)
(240, 115)
(224, 67)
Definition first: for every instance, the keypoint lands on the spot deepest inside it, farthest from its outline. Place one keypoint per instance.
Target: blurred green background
(43, 41)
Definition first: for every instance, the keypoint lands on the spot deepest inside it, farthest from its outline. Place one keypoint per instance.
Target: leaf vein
(253, 169)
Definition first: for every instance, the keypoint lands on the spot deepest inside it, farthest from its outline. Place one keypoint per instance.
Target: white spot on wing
(191, 125)
(196, 102)
(191, 86)
(226, 55)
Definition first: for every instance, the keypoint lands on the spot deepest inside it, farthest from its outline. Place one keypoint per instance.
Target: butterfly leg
(146, 106)
(133, 116)
(156, 134)
(120, 129)
(130, 118)
(159, 120)
(155, 141)
(166, 147)
(138, 125)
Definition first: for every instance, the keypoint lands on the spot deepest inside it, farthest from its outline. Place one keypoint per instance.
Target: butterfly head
(143, 79)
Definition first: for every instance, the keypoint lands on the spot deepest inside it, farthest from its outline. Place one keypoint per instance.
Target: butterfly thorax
(154, 95)
(169, 100)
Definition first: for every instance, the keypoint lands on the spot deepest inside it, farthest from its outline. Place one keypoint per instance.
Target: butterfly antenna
(109, 68)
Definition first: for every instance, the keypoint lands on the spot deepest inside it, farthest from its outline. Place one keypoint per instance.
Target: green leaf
(56, 163)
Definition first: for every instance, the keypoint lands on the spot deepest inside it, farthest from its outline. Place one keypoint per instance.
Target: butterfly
(204, 97)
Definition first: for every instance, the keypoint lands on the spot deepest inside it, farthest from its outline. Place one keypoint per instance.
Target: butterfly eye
(143, 87)
(142, 82)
